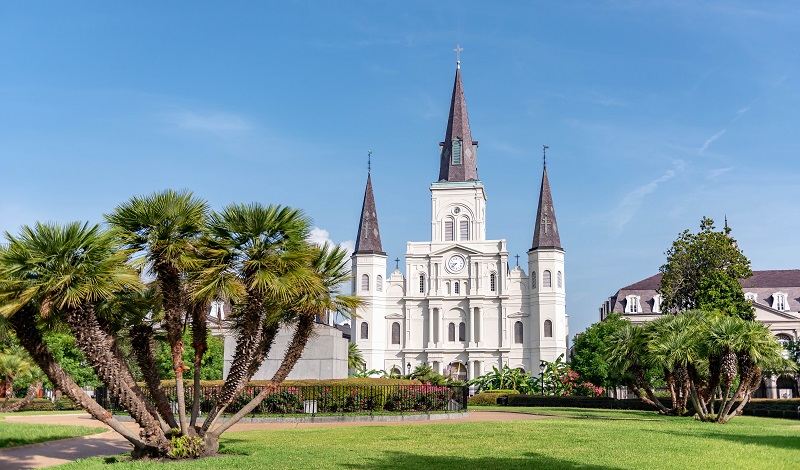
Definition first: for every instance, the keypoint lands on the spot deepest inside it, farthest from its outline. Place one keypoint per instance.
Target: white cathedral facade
(459, 308)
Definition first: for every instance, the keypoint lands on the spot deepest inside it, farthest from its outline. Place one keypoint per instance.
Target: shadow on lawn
(772, 440)
(527, 460)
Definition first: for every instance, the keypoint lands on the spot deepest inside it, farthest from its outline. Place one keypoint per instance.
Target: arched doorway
(457, 371)
(787, 387)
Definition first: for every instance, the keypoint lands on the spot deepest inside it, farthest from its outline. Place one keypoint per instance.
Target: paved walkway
(110, 443)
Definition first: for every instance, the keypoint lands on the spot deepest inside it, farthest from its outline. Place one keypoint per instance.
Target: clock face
(455, 263)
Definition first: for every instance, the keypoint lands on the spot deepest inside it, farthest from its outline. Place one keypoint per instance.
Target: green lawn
(18, 434)
(666, 442)
(576, 412)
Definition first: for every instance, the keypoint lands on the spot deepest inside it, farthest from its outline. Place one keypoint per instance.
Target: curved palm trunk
(200, 345)
(24, 325)
(98, 348)
(33, 392)
(305, 326)
(641, 381)
(144, 350)
(728, 372)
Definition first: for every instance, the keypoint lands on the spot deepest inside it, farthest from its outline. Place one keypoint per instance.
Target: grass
(20, 434)
(664, 443)
(576, 412)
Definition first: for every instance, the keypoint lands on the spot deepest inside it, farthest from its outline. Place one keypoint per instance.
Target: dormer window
(632, 304)
(751, 296)
(779, 301)
(657, 303)
(456, 152)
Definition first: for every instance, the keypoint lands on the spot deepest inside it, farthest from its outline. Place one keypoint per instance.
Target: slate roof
(762, 283)
(545, 233)
(458, 128)
(368, 239)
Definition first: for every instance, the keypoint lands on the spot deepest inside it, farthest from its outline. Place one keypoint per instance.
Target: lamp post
(542, 366)
(408, 368)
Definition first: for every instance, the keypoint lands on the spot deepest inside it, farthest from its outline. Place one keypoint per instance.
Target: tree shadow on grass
(771, 440)
(528, 460)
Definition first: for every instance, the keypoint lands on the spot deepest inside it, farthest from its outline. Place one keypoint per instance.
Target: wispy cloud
(714, 174)
(214, 122)
(711, 140)
(741, 112)
(628, 206)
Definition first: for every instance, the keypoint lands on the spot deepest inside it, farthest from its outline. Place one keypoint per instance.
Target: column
(470, 326)
(440, 337)
(478, 322)
(430, 327)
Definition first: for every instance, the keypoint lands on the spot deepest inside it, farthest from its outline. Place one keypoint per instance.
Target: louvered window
(379, 283)
(548, 329)
(456, 288)
(448, 230)
(463, 229)
(364, 330)
(456, 152)
(364, 282)
(493, 282)
(560, 280)
(547, 280)
(421, 283)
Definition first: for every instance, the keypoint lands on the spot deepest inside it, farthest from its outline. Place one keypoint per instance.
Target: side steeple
(459, 153)
(545, 235)
(369, 236)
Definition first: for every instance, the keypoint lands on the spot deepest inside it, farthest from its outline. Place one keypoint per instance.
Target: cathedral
(459, 308)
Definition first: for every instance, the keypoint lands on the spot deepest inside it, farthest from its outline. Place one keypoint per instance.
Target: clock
(456, 263)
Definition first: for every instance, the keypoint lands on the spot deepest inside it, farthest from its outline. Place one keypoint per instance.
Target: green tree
(355, 360)
(702, 272)
(211, 362)
(589, 358)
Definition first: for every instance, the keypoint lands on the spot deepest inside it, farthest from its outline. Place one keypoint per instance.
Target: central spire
(368, 239)
(458, 151)
(545, 235)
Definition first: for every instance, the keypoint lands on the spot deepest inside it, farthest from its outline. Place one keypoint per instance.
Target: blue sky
(656, 114)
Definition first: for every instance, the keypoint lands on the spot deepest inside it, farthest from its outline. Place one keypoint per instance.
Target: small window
(364, 282)
(779, 301)
(463, 229)
(493, 282)
(657, 303)
(751, 296)
(395, 333)
(364, 330)
(421, 283)
(448, 230)
(456, 152)
(451, 332)
(379, 283)
(533, 279)
(462, 331)
(560, 280)
(518, 332)
(456, 288)
(633, 304)
(548, 329)
(547, 280)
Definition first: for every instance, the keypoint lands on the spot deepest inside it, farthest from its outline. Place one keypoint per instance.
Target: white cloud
(320, 236)
(632, 201)
(714, 174)
(208, 122)
(711, 140)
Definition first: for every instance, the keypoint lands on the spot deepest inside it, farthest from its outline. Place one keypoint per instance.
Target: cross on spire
(369, 161)
(517, 256)
(544, 155)
(458, 50)
(397, 263)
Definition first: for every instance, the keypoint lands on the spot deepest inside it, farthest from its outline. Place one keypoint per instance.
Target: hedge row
(489, 398)
(43, 404)
(300, 383)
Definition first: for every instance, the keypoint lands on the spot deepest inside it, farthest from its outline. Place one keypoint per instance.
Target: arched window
(396, 333)
(533, 279)
(547, 280)
(493, 282)
(456, 288)
(448, 230)
(518, 332)
(447, 286)
(379, 283)
(364, 282)
(364, 330)
(421, 283)
(560, 280)
(548, 329)
(463, 229)
(451, 332)
(462, 331)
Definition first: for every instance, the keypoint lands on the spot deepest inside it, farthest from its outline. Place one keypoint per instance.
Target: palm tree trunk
(305, 326)
(33, 392)
(699, 407)
(755, 381)
(98, 347)
(173, 302)
(29, 336)
(143, 348)
(638, 373)
(200, 345)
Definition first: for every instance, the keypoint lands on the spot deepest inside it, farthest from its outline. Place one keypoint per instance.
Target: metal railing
(323, 399)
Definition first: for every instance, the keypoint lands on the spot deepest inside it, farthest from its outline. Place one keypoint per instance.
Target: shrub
(489, 398)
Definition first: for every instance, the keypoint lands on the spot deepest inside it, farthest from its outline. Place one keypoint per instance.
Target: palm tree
(259, 260)
(65, 271)
(330, 270)
(355, 359)
(12, 365)
(627, 351)
(162, 232)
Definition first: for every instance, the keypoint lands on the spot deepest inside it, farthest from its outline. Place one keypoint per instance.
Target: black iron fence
(322, 399)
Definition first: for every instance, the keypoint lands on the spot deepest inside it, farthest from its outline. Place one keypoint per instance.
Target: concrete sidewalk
(110, 443)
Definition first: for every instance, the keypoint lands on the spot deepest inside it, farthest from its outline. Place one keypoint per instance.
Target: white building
(459, 308)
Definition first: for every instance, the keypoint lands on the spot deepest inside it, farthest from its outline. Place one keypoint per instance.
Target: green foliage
(489, 398)
(210, 366)
(70, 358)
(355, 360)
(702, 272)
(502, 379)
(185, 446)
(590, 359)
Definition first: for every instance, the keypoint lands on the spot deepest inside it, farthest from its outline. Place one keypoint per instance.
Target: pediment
(456, 247)
(394, 316)
(518, 315)
(770, 315)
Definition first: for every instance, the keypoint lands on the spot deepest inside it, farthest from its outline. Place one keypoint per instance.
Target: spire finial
(458, 50)
(517, 256)
(397, 263)
(544, 155)
(369, 161)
